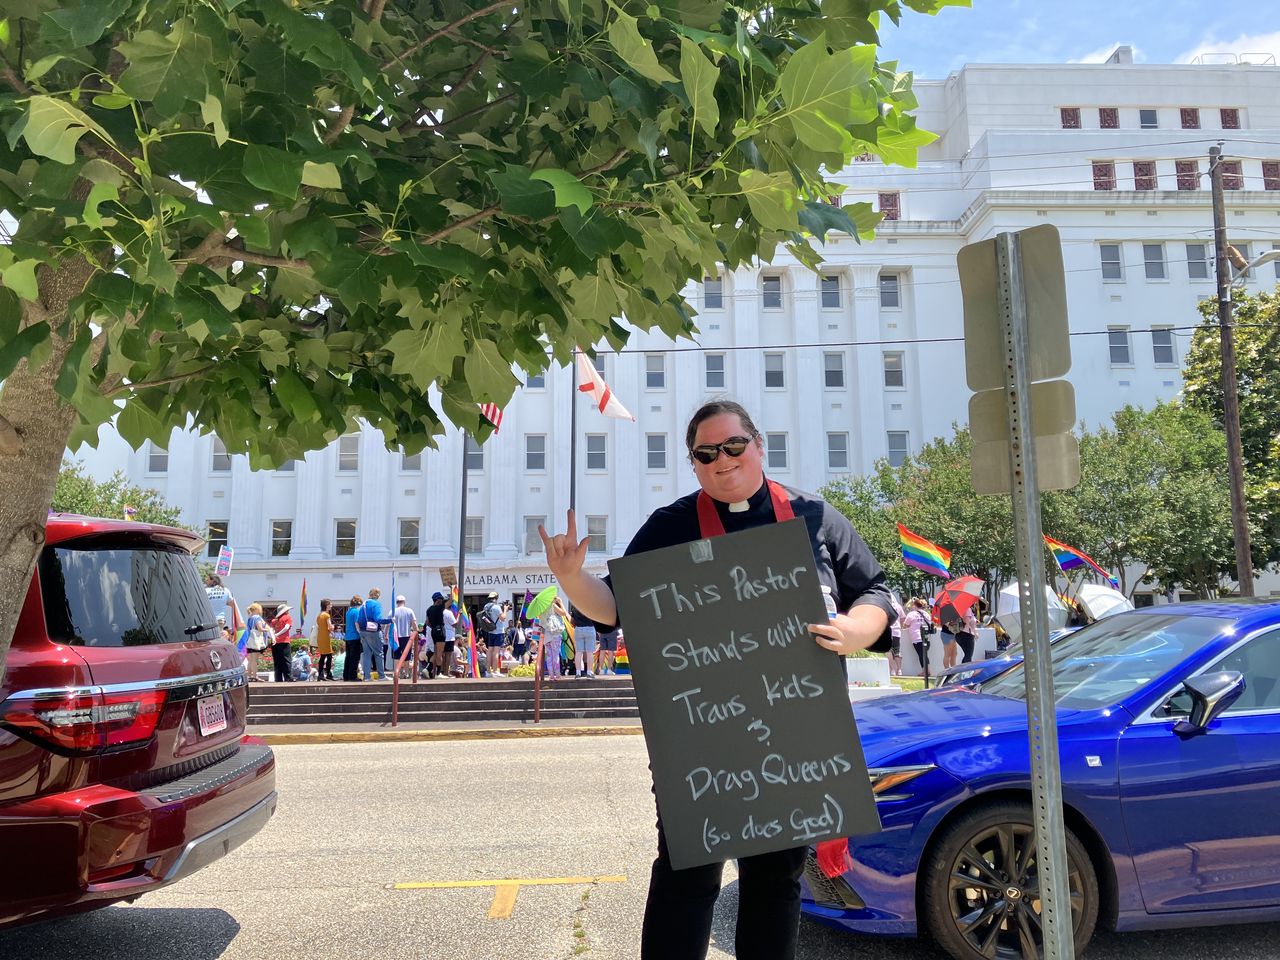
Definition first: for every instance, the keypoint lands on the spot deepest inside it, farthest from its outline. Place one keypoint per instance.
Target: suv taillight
(85, 720)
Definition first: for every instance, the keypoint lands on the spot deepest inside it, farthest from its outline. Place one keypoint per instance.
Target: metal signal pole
(1230, 394)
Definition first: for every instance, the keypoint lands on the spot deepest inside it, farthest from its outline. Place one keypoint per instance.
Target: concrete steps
(440, 701)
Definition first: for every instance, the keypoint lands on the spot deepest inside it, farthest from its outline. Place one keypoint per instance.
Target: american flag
(493, 413)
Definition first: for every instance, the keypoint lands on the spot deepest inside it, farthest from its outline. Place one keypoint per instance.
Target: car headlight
(885, 780)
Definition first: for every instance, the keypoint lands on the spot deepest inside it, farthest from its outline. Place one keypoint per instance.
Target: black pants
(966, 646)
(351, 665)
(677, 916)
(324, 668)
(280, 659)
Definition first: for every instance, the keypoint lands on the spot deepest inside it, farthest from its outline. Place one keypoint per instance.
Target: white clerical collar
(740, 507)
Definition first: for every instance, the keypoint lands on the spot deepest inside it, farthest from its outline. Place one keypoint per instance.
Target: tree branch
(229, 252)
(465, 79)
(144, 384)
(204, 251)
(432, 37)
(15, 81)
(609, 164)
(475, 110)
(465, 222)
(334, 130)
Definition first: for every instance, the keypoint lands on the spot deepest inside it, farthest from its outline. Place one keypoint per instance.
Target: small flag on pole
(493, 413)
(302, 604)
(592, 384)
(130, 512)
(1069, 558)
(924, 554)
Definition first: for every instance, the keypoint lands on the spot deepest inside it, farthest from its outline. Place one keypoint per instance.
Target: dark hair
(714, 409)
(214, 579)
(325, 605)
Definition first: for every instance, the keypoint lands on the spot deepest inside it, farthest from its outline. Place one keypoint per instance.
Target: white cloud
(1246, 43)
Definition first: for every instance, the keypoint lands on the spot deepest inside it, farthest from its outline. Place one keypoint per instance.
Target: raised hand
(565, 552)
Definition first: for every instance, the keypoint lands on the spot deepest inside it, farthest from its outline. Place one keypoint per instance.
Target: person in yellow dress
(324, 642)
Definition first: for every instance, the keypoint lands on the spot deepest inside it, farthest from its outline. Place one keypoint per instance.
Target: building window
(157, 459)
(712, 293)
(1104, 175)
(1162, 347)
(776, 450)
(1109, 118)
(216, 538)
(890, 291)
(655, 371)
(1271, 174)
(774, 372)
(656, 448)
(714, 365)
(833, 200)
(771, 291)
(474, 535)
(1230, 118)
(833, 371)
(1112, 266)
(1232, 175)
(1148, 119)
(1144, 175)
(1153, 261)
(1197, 261)
(831, 292)
(597, 534)
(349, 453)
(289, 466)
(474, 454)
(536, 381)
(535, 451)
(1070, 117)
(1121, 349)
(281, 537)
(1190, 118)
(890, 204)
(837, 451)
(532, 539)
(1188, 174)
(1276, 263)
(221, 459)
(344, 540)
(410, 462)
(597, 451)
(894, 371)
(898, 447)
(409, 537)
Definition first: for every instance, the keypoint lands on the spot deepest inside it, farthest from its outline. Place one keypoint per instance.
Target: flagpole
(573, 435)
(462, 532)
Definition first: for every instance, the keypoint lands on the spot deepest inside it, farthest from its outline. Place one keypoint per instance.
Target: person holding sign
(727, 454)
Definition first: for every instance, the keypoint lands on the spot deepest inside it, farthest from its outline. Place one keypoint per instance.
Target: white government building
(840, 369)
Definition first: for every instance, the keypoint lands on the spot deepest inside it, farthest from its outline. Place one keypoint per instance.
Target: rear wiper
(195, 628)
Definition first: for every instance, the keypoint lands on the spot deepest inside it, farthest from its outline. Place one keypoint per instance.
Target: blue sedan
(1169, 729)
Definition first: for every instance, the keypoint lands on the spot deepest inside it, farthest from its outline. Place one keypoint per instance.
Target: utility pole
(1230, 396)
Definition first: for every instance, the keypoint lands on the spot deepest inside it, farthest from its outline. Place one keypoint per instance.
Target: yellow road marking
(506, 890)
(504, 901)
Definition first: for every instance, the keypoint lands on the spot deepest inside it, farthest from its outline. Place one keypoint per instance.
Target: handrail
(409, 647)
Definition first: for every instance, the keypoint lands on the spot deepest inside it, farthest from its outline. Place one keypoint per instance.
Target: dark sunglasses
(709, 453)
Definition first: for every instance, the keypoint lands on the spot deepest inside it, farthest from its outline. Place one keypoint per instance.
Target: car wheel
(980, 890)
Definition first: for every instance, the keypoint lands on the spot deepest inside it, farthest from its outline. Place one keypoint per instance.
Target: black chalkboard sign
(750, 733)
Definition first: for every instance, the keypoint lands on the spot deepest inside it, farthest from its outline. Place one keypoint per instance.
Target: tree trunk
(43, 422)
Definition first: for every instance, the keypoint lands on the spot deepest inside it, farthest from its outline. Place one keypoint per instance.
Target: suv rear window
(113, 594)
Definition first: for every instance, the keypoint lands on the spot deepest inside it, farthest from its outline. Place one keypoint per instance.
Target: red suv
(123, 760)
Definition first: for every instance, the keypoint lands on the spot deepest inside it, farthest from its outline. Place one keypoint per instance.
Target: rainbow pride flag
(1069, 558)
(923, 554)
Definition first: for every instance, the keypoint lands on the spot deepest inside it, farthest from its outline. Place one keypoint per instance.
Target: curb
(418, 736)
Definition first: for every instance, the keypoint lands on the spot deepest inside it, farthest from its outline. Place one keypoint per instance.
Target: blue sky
(1058, 31)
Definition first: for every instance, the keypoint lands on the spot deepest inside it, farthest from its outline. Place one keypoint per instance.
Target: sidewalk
(302, 733)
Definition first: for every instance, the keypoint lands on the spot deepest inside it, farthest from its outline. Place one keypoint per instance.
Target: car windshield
(1103, 663)
(123, 596)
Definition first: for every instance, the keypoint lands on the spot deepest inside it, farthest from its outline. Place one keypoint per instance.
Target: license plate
(213, 715)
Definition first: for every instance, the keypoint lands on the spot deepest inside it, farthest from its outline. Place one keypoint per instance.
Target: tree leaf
(295, 395)
(211, 114)
(773, 198)
(99, 194)
(26, 344)
(54, 127)
(322, 175)
(488, 373)
(624, 37)
(699, 75)
(570, 191)
(20, 277)
(426, 355)
(274, 170)
(166, 69)
(825, 93)
(83, 24)
(521, 194)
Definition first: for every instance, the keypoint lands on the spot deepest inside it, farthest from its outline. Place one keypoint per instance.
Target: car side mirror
(1211, 694)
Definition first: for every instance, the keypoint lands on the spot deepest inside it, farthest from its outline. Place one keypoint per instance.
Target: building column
(247, 528)
(311, 510)
(373, 530)
(443, 469)
(745, 377)
(868, 438)
(504, 469)
(626, 450)
(806, 455)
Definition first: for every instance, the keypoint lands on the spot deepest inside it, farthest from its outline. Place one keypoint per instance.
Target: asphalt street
(355, 820)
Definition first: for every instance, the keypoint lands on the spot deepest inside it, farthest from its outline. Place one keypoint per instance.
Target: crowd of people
(915, 624)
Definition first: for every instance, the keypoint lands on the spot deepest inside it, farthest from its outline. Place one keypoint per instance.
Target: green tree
(272, 217)
(1257, 339)
(77, 492)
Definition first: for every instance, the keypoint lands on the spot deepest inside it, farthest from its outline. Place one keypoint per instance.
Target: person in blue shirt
(371, 653)
(351, 659)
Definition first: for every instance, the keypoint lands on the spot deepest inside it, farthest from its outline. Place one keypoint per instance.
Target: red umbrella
(956, 598)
